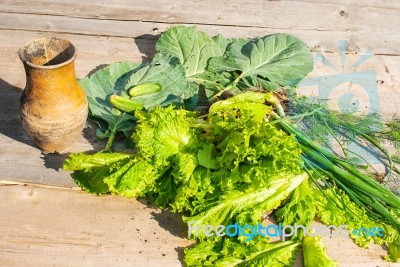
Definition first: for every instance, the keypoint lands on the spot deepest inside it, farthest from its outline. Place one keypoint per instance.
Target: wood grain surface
(62, 227)
(59, 227)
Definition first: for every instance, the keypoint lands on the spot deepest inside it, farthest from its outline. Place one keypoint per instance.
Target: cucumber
(145, 89)
(125, 104)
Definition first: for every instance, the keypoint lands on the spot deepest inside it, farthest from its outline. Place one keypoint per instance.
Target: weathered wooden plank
(93, 51)
(321, 15)
(348, 254)
(392, 68)
(55, 227)
(384, 39)
(366, 3)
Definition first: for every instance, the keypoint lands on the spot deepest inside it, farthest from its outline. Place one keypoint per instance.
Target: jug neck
(48, 78)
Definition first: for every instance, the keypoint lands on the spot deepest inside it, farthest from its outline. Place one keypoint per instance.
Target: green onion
(330, 168)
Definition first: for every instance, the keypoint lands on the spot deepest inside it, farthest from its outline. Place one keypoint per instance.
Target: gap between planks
(15, 183)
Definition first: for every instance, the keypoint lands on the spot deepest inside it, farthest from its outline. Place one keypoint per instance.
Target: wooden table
(47, 221)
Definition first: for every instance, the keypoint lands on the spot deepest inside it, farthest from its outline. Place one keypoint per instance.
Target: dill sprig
(335, 129)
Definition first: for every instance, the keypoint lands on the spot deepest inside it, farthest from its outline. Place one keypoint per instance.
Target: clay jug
(53, 106)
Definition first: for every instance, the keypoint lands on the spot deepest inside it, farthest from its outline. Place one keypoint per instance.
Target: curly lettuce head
(164, 132)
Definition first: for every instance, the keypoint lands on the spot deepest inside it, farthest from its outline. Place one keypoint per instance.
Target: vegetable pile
(242, 161)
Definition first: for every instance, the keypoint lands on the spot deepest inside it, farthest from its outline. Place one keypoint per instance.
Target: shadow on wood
(99, 67)
(173, 224)
(10, 120)
(146, 45)
(181, 253)
(56, 161)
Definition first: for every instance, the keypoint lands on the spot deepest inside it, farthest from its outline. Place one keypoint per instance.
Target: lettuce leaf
(393, 252)
(138, 180)
(206, 156)
(258, 252)
(314, 253)
(253, 150)
(300, 209)
(91, 169)
(184, 166)
(81, 161)
(163, 133)
(193, 193)
(334, 207)
(256, 202)
(165, 191)
(91, 180)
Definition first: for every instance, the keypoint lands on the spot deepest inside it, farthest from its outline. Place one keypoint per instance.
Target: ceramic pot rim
(22, 54)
